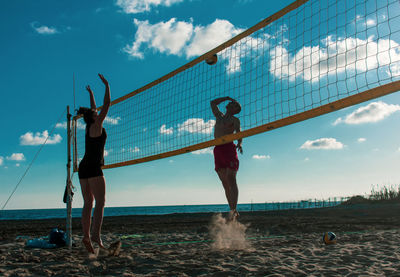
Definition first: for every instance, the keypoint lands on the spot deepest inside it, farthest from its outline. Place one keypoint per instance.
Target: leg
(86, 213)
(233, 188)
(222, 174)
(98, 187)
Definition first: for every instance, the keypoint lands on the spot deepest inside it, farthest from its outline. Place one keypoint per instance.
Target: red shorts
(225, 156)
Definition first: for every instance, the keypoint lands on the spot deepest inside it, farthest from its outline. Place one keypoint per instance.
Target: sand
(278, 243)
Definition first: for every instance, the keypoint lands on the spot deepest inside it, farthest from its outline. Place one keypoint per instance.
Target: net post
(69, 192)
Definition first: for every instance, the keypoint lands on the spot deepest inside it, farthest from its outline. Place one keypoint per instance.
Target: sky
(132, 43)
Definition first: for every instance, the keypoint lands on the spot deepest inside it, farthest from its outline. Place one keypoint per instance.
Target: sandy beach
(275, 243)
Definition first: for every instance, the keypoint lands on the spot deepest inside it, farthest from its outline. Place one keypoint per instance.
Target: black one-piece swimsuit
(93, 160)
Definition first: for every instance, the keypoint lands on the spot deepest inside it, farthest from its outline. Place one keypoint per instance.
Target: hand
(239, 147)
(89, 89)
(104, 80)
(230, 99)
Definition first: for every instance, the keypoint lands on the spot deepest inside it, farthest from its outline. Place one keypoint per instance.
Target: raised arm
(92, 101)
(106, 102)
(214, 105)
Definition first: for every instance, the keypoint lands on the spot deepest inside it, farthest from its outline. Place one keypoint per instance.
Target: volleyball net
(311, 58)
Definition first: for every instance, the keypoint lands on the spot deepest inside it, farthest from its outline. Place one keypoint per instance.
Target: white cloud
(44, 30)
(370, 22)
(179, 37)
(16, 157)
(163, 130)
(139, 6)
(80, 125)
(373, 112)
(334, 57)
(208, 150)
(361, 140)
(107, 152)
(39, 138)
(63, 125)
(208, 37)
(197, 125)
(235, 54)
(261, 157)
(165, 37)
(131, 149)
(112, 120)
(184, 38)
(1, 160)
(109, 120)
(366, 22)
(322, 143)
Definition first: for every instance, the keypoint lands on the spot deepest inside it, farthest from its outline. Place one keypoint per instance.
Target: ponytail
(87, 114)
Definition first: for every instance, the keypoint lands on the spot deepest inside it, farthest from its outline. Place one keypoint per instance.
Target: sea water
(161, 210)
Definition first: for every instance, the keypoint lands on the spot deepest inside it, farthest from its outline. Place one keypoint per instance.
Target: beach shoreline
(340, 218)
(275, 243)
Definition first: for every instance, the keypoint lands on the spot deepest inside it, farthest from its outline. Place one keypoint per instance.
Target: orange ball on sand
(329, 238)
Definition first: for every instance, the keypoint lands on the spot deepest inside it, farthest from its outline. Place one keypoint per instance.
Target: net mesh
(318, 53)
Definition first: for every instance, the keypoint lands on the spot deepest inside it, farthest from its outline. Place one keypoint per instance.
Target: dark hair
(238, 106)
(87, 114)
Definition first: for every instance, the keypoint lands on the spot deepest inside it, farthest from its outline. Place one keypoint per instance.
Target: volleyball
(212, 60)
(329, 238)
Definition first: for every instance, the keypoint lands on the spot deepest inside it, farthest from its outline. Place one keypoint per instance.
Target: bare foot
(233, 215)
(99, 243)
(88, 245)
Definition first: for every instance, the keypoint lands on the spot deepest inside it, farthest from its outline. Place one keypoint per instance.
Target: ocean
(162, 210)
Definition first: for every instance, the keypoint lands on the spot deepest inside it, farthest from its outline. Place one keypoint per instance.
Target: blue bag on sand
(58, 237)
(40, 243)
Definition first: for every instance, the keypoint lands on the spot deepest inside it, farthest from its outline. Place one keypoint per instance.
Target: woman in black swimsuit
(91, 177)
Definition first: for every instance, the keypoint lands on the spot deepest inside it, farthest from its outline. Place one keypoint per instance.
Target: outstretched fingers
(104, 80)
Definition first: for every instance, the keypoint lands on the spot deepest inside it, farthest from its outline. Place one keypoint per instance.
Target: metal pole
(74, 148)
(69, 192)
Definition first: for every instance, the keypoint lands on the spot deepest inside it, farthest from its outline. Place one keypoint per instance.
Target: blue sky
(133, 43)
